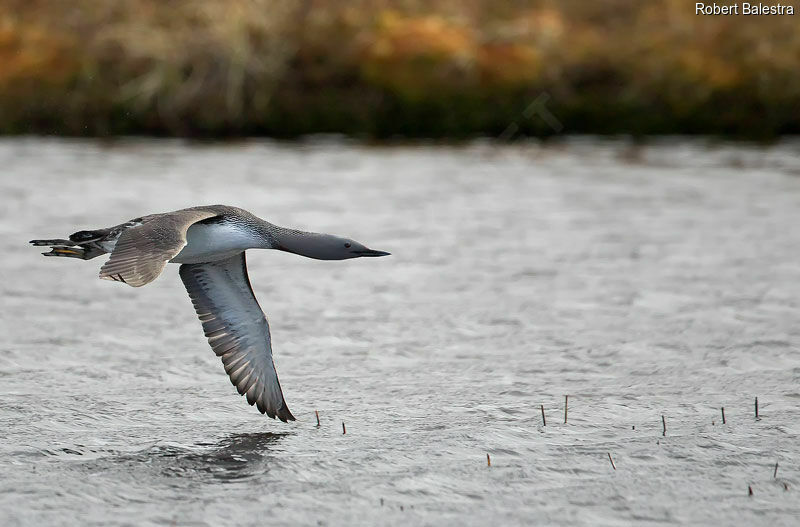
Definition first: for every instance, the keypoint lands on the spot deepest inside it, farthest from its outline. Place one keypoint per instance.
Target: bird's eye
(347, 245)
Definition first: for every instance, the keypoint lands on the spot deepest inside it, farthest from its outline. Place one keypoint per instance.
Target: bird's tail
(82, 244)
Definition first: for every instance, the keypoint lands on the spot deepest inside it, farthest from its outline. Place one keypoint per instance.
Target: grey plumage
(209, 242)
(141, 253)
(237, 330)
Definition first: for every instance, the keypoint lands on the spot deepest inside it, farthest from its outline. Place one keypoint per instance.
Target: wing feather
(237, 330)
(141, 252)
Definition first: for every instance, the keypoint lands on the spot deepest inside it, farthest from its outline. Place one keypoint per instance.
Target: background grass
(385, 68)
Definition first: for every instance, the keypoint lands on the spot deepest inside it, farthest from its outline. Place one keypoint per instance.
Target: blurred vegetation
(385, 68)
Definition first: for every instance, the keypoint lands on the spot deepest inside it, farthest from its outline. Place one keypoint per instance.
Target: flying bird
(210, 243)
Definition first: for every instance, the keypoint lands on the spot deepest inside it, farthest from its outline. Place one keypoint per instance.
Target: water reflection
(235, 457)
(238, 456)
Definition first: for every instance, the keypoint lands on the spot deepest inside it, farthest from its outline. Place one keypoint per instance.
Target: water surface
(641, 281)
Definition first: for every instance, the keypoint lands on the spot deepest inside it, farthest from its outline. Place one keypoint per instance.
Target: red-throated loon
(210, 242)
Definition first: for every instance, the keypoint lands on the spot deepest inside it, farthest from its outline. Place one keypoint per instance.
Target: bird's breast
(208, 242)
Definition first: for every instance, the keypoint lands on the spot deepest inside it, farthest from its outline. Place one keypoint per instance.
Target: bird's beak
(370, 252)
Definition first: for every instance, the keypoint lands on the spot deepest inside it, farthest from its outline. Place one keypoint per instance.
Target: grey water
(640, 280)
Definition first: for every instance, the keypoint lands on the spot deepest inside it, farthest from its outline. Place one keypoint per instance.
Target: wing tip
(264, 407)
(284, 414)
(117, 277)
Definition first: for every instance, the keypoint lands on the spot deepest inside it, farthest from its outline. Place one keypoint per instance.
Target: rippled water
(641, 281)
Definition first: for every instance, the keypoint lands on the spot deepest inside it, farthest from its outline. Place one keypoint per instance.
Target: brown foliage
(189, 65)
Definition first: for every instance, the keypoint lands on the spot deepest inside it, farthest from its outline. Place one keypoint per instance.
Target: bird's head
(325, 246)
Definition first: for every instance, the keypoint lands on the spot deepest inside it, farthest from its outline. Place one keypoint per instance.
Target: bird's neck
(290, 240)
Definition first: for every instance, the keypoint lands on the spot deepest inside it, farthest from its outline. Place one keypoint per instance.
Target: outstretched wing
(237, 330)
(142, 252)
